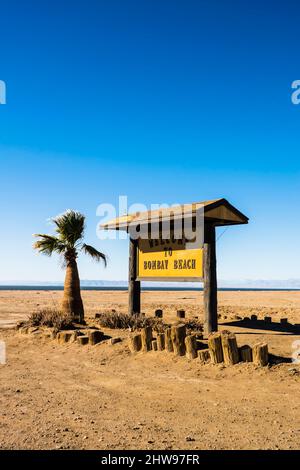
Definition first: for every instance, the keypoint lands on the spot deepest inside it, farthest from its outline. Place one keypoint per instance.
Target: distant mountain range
(238, 283)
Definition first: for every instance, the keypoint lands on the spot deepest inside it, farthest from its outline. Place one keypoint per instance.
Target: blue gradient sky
(163, 101)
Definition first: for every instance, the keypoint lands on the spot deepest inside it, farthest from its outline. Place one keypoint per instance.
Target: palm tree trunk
(72, 302)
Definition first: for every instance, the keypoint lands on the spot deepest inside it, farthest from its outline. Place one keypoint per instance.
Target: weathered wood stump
(158, 313)
(204, 356)
(260, 354)
(146, 334)
(73, 337)
(268, 319)
(161, 341)
(64, 336)
(245, 353)
(135, 342)
(178, 334)
(254, 317)
(82, 340)
(154, 345)
(180, 313)
(115, 340)
(215, 348)
(168, 340)
(191, 346)
(230, 349)
(95, 337)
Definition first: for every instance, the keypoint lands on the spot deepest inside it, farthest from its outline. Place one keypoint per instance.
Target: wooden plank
(134, 286)
(210, 280)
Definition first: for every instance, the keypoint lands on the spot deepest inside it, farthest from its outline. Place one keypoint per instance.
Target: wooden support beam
(134, 286)
(210, 280)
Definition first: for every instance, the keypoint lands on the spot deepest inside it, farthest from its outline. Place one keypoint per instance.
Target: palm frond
(95, 254)
(70, 226)
(48, 244)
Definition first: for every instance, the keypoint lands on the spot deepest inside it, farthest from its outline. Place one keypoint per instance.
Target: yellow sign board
(169, 260)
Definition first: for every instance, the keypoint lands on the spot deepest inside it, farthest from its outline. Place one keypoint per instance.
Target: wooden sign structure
(170, 259)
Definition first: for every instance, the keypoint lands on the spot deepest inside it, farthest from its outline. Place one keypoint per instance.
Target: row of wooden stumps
(222, 347)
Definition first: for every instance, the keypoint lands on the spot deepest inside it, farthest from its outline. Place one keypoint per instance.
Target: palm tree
(67, 243)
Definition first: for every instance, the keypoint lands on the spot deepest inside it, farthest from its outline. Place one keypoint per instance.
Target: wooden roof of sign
(217, 211)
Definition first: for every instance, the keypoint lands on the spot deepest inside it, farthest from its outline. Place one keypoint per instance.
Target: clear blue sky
(163, 101)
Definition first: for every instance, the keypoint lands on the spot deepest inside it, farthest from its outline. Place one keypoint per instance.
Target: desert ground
(69, 396)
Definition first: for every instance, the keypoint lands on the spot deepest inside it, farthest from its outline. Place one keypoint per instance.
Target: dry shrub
(125, 321)
(50, 317)
(194, 326)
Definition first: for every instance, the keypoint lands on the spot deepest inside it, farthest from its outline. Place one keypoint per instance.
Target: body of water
(159, 288)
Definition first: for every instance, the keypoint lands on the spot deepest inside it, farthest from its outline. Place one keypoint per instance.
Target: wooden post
(160, 341)
(146, 334)
(180, 313)
(210, 280)
(215, 348)
(191, 346)
(95, 336)
(168, 340)
(230, 349)
(245, 353)
(134, 286)
(178, 334)
(260, 354)
(135, 342)
(158, 313)
(204, 356)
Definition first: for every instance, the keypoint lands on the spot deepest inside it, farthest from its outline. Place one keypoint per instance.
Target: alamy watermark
(2, 353)
(296, 352)
(157, 222)
(295, 97)
(2, 92)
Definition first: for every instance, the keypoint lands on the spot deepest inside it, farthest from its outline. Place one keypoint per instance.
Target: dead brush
(193, 326)
(124, 321)
(50, 317)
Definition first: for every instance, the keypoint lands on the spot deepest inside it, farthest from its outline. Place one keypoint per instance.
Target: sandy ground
(83, 397)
